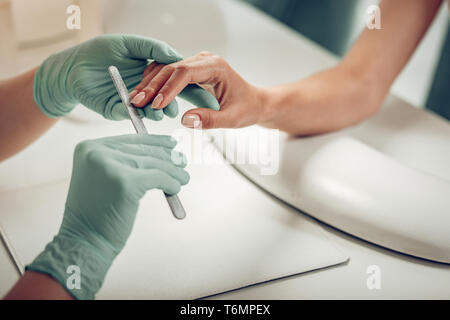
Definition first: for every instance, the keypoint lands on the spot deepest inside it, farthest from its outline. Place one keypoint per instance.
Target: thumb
(203, 118)
(199, 97)
(118, 111)
(149, 48)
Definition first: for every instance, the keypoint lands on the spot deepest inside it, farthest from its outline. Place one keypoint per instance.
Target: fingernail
(190, 120)
(138, 98)
(157, 101)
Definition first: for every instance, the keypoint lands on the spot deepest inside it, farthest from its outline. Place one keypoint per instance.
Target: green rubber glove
(109, 177)
(80, 75)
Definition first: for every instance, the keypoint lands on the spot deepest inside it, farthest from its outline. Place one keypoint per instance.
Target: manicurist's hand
(79, 75)
(109, 177)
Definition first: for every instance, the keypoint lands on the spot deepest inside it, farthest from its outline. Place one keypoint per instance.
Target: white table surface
(266, 53)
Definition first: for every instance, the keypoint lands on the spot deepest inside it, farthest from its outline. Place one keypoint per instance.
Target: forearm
(323, 102)
(356, 88)
(37, 286)
(21, 121)
(383, 53)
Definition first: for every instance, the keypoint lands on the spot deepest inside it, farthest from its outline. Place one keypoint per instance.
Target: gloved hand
(80, 75)
(109, 177)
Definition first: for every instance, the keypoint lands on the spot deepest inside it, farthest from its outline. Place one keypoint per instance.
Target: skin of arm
(356, 88)
(37, 286)
(326, 101)
(21, 121)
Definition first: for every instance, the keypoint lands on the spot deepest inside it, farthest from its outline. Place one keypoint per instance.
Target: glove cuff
(75, 264)
(49, 93)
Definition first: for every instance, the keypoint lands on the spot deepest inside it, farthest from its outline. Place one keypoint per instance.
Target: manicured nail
(157, 101)
(191, 120)
(138, 98)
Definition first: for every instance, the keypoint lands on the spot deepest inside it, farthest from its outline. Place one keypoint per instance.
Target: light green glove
(109, 177)
(80, 75)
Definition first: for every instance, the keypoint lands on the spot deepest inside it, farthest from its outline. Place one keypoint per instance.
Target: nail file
(173, 201)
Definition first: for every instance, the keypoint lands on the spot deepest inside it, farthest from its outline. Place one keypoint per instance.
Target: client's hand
(109, 177)
(240, 102)
(325, 101)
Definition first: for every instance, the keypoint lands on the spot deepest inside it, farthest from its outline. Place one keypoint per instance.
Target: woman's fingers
(149, 72)
(151, 88)
(171, 79)
(177, 81)
(203, 68)
(155, 114)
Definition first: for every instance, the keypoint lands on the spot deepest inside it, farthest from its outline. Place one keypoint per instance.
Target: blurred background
(32, 30)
